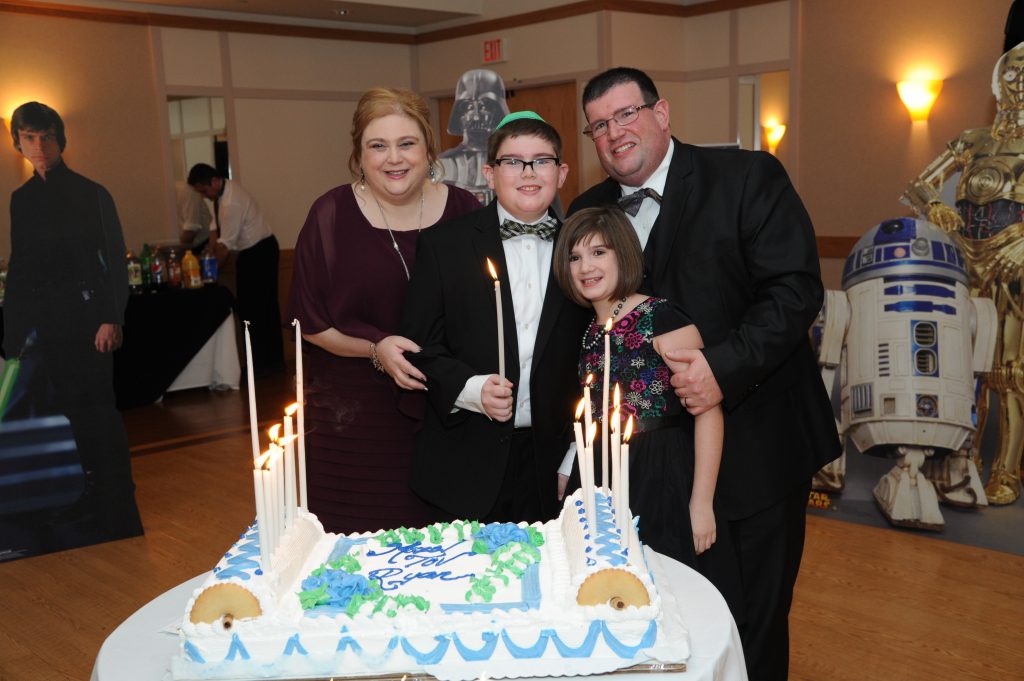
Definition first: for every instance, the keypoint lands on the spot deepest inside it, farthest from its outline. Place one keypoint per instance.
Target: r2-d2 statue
(909, 342)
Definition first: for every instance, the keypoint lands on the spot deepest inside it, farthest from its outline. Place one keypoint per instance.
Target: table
(163, 333)
(216, 365)
(138, 650)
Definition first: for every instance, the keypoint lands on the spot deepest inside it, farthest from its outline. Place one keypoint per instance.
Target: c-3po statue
(901, 334)
(988, 224)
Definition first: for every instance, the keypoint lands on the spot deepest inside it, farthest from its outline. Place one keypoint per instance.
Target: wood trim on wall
(237, 26)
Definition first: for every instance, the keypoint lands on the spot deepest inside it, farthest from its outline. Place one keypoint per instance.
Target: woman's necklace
(590, 342)
(394, 242)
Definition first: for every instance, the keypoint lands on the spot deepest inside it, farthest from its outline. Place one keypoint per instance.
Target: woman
(352, 264)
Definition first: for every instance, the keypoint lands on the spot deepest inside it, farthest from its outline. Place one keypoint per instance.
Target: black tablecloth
(162, 333)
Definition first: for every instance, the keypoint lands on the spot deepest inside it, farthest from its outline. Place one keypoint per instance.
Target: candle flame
(590, 379)
(579, 409)
(273, 432)
(629, 429)
(615, 419)
(591, 431)
(291, 409)
(617, 397)
(285, 440)
(490, 266)
(608, 325)
(259, 463)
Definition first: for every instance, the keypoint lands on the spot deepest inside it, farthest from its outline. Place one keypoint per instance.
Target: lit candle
(267, 529)
(624, 464)
(261, 513)
(589, 498)
(252, 395)
(604, 403)
(616, 471)
(501, 324)
(586, 475)
(300, 425)
(588, 415)
(274, 505)
(289, 466)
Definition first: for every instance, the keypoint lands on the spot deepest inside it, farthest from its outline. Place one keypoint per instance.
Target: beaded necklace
(593, 341)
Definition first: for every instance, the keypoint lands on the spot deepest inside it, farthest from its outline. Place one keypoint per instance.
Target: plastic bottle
(208, 267)
(159, 270)
(134, 274)
(190, 270)
(146, 263)
(173, 269)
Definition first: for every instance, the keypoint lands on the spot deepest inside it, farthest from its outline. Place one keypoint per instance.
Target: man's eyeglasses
(517, 166)
(623, 117)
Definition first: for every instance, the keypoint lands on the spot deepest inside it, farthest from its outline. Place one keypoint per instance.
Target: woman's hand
(702, 523)
(391, 354)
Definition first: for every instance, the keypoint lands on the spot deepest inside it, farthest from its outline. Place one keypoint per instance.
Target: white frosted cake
(458, 601)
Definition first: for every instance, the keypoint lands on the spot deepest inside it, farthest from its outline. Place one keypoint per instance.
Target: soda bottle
(190, 270)
(134, 274)
(208, 267)
(146, 263)
(159, 270)
(173, 269)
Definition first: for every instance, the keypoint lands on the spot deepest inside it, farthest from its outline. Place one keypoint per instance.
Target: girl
(674, 456)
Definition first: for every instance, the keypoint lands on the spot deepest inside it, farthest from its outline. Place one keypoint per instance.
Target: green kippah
(518, 115)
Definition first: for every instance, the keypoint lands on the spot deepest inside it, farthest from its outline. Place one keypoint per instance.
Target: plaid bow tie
(544, 229)
(631, 202)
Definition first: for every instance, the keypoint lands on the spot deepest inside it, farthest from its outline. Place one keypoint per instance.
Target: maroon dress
(359, 425)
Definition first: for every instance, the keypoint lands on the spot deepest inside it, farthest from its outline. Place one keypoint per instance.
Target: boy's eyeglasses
(623, 117)
(517, 166)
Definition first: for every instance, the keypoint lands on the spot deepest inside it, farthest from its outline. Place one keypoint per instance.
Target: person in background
(67, 288)
(194, 218)
(238, 227)
(726, 237)
(353, 260)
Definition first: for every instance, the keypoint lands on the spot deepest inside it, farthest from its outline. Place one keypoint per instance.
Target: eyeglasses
(517, 166)
(623, 117)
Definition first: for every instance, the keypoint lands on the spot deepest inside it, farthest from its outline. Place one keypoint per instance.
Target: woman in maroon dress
(352, 264)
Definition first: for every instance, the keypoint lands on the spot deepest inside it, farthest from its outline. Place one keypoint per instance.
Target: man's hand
(108, 337)
(694, 383)
(391, 354)
(496, 398)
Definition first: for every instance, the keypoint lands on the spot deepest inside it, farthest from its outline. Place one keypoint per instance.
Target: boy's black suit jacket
(735, 248)
(450, 311)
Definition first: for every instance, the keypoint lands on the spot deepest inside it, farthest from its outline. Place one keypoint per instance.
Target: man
(67, 289)
(238, 226)
(726, 236)
(193, 218)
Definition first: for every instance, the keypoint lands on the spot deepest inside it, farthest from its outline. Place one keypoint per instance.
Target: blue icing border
(244, 559)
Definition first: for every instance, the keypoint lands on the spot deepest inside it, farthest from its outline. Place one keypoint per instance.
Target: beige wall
(99, 76)
(858, 148)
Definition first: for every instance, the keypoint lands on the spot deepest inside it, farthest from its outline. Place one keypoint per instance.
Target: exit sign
(495, 51)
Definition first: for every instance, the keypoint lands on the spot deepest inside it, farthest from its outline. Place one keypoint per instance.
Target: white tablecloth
(216, 364)
(141, 649)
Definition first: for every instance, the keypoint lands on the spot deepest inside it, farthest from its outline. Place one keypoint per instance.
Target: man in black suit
(726, 236)
(490, 447)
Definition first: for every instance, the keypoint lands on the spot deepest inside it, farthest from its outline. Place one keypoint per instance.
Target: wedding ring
(684, 403)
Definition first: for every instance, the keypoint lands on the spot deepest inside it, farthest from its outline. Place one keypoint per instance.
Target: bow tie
(631, 202)
(544, 229)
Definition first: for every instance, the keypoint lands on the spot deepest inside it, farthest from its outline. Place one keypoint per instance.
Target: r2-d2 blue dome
(906, 372)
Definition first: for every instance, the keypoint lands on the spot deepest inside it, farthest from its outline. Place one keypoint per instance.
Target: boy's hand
(496, 398)
(702, 522)
(563, 482)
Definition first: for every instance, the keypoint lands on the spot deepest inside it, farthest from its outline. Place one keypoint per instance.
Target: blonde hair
(382, 101)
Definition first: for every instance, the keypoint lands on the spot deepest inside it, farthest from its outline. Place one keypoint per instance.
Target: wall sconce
(918, 96)
(773, 134)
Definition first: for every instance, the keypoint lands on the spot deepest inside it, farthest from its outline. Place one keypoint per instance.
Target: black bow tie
(544, 229)
(631, 202)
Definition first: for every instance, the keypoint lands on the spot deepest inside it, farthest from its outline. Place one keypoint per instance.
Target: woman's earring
(362, 179)
(433, 174)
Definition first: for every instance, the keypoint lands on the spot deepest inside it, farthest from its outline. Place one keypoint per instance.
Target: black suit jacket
(460, 457)
(735, 248)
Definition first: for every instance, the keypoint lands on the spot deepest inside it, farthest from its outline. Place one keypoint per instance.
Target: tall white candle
(624, 465)
(501, 323)
(588, 415)
(589, 497)
(268, 514)
(616, 471)
(252, 395)
(300, 425)
(604, 403)
(289, 468)
(261, 517)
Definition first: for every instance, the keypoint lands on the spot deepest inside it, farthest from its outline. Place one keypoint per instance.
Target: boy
(490, 448)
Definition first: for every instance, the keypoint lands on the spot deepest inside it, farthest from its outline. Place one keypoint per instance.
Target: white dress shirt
(528, 258)
(643, 221)
(242, 224)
